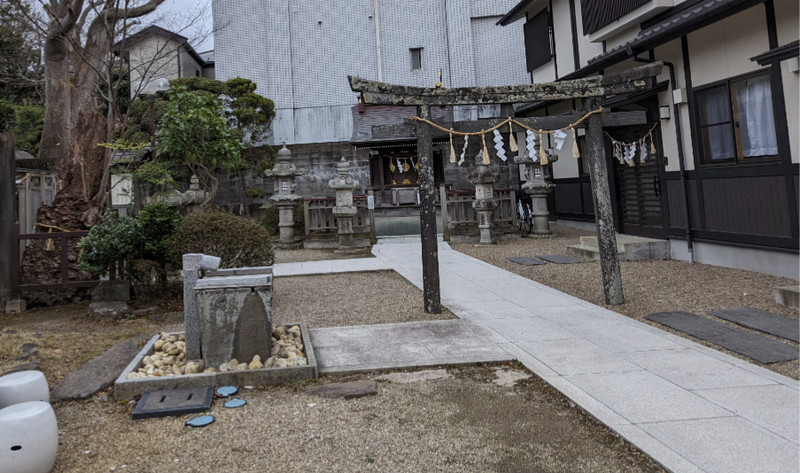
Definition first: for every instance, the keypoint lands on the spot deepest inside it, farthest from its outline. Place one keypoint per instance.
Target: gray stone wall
(319, 161)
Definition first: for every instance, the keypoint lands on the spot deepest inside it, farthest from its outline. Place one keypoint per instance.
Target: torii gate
(588, 89)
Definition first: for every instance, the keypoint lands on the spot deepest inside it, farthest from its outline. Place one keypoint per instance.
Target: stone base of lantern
(294, 244)
(541, 217)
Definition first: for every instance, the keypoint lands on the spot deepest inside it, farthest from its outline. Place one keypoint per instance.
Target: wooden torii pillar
(588, 89)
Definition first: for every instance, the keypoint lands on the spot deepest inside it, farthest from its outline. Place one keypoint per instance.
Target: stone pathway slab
(763, 321)
(757, 347)
(560, 259)
(399, 346)
(95, 375)
(352, 265)
(525, 261)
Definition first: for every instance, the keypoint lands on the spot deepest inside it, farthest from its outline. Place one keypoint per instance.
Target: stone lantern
(483, 179)
(344, 211)
(284, 198)
(537, 185)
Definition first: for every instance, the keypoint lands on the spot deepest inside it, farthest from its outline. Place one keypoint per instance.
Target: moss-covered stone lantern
(345, 210)
(284, 197)
(483, 179)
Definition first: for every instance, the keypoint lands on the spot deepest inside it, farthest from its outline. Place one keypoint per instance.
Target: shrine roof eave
(410, 141)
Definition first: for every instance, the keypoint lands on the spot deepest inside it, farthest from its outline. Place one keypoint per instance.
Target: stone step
(788, 296)
(629, 247)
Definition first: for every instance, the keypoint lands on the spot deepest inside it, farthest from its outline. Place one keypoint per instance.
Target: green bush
(158, 222)
(113, 239)
(128, 238)
(237, 241)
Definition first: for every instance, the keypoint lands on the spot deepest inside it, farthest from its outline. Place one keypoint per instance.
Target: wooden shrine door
(638, 188)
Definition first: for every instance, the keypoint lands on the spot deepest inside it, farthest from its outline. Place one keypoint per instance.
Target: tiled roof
(21, 154)
(778, 54)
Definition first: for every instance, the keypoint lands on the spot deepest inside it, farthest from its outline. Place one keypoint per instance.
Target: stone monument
(285, 198)
(234, 309)
(344, 211)
(537, 185)
(483, 179)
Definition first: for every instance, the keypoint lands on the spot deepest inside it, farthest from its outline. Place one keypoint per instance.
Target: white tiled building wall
(300, 53)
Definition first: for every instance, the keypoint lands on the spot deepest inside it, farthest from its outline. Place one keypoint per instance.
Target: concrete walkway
(689, 407)
(308, 268)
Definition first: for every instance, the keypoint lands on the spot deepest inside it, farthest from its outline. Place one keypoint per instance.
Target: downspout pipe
(679, 137)
(378, 41)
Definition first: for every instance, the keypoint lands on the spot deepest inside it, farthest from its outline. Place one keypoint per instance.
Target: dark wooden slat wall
(596, 14)
(568, 198)
(797, 190)
(588, 203)
(675, 197)
(749, 205)
(537, 40)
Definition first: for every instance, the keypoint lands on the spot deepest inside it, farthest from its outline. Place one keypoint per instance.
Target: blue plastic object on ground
(201, 421)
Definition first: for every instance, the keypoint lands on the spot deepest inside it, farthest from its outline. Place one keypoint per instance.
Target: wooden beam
(7, 202)
(632, 80)
(556, 122)
(540, 123)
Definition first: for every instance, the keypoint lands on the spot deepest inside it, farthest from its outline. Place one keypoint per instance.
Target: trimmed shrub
(271, 219)
(158, 222)
(238, 241)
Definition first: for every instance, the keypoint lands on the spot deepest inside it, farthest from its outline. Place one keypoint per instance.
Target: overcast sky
(176, 10)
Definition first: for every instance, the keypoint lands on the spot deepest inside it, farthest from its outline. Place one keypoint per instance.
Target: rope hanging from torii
(626, 152)
(498, 139)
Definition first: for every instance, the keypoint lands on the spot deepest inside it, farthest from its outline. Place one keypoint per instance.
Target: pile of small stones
(169, 356)
(287, 348)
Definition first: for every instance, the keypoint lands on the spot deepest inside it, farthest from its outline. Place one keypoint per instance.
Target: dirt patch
(649, 286)
(65, 338)
(464, 423)
(338, 300)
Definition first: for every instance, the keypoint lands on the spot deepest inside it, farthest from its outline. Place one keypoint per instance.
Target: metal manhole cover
(174, 402)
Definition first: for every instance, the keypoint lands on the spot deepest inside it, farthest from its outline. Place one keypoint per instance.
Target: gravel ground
(298, 256)
(649, 286)
(464, 422)
(338, 300)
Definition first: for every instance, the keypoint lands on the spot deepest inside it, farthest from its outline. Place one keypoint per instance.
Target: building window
(736, 122)
(416, 58)
(538, 40)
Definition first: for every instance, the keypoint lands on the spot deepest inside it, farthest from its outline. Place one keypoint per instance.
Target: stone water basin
(125, 388)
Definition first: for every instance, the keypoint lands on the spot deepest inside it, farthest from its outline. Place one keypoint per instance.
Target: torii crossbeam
(588, 89)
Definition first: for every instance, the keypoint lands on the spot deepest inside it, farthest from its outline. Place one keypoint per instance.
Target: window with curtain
(736, 122)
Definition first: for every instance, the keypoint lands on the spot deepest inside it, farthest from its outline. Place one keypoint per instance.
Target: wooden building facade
(724, 117)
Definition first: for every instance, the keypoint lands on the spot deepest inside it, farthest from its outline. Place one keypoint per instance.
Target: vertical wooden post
(15, 265)
(604, 216)
(372, 238)
(443, 206)
(7, 186)
(427, 191)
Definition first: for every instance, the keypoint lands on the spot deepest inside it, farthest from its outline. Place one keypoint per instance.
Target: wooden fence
(16, 238)
(460, 221)
(322, 227)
